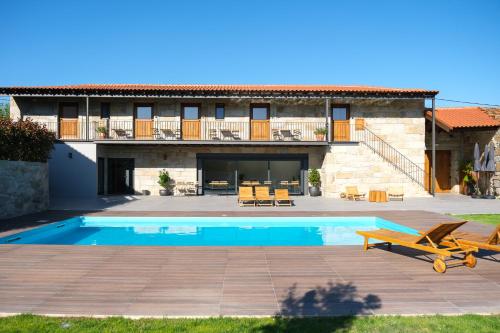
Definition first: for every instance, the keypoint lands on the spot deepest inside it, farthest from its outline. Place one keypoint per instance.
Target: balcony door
(143, 121)
(68, 121)
(259, 122)
(191, 129)
(340, 123)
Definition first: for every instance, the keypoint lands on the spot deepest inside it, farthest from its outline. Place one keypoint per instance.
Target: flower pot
(164, 192)
(320, 137)
(314, 191)
(102, 135)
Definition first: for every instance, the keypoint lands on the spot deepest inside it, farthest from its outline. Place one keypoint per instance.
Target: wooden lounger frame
(492, 243)
(262, 197)
(432, 241)
(281, 197)
(246, 197)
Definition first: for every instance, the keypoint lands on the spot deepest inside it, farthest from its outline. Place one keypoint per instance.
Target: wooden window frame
(109, 110)
(138, 105)
(261, 105)
(184, 105)
(63, 104)
(338, 106)
(223, 106)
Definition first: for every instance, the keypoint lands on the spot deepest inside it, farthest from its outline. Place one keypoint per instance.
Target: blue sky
(452, 46)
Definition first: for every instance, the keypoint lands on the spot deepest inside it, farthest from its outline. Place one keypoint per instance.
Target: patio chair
(352, 193)
(121, 133)
(484, 242)
(226, 134)
(431, 241)
(281, 198)
(262, 197)
(246, 197)
(395, 193)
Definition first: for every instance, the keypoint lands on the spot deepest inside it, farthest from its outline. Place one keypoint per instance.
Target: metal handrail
(389, 153)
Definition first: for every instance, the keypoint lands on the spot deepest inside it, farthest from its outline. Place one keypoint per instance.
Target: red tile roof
(463, 117)
(216, 88)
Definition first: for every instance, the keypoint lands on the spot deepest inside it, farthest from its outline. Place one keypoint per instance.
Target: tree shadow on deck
(327, 308)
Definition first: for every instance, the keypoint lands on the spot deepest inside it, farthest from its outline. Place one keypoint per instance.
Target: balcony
(191, 131)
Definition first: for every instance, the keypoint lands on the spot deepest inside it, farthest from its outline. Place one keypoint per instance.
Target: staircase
(390, 154)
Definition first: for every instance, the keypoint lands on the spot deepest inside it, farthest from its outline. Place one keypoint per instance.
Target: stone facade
(25, 188)
(400, 123)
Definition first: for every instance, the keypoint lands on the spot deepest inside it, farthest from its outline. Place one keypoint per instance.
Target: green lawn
(466, 323)
(493, 219)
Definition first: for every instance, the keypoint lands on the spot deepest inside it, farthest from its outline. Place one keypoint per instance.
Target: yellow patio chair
(262, 197)
(352, 193)
(281, 198)
(246, 197)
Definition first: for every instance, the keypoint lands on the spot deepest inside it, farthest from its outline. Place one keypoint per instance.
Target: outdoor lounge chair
(246, 197)
(395, 193)
(431, 241)
(352, 193)
(281, 198)
(262, 197)
(490, 243)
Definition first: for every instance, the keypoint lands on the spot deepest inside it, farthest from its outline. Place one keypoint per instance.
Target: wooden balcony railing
(110, 129)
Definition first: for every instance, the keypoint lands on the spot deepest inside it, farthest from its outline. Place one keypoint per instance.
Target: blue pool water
(204, 231)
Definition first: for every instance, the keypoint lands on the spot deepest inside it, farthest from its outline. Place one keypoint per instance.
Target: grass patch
(493, 219)
(375, 324)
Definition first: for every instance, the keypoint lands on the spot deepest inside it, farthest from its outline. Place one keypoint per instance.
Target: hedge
(25, 140)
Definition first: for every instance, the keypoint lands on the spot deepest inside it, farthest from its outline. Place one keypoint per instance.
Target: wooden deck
(212, 281)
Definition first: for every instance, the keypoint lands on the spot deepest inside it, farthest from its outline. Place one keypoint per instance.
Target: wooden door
(340, 123)
(191, 127)
(443, 166)
(260, 127)
(144, 129)
(68, 121)
(143, 121)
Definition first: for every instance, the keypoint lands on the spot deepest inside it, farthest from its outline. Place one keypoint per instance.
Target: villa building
(114, 139)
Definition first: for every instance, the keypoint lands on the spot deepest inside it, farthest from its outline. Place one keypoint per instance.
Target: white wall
(75, 176)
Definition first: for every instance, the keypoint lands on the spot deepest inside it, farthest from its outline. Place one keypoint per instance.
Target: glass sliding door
(286, 174)
(219, 176)
(224, 173)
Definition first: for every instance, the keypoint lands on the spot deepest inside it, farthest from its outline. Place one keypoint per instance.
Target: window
(340, 112)
(69, 110)
(191, 112)
(260, 112)
(105, 107)
(144, 112)
(219, 111)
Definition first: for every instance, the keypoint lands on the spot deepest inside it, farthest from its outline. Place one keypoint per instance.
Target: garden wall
(24, 188)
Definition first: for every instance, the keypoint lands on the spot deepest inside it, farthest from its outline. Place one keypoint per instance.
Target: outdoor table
(377, 196)
(219, 184)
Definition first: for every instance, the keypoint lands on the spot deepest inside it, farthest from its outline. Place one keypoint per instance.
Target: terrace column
(87, 136)
(328, 120)
(433, 168)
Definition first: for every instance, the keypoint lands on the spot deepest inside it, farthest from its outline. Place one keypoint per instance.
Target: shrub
(320, 131)
(314, 177)
(25, 140)
(164, 179)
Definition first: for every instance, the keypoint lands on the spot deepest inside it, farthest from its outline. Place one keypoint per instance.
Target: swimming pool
(204, 231)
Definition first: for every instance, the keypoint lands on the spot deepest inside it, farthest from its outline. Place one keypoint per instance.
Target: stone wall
(25, 188)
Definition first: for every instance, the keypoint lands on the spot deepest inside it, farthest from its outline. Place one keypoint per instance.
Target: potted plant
(320, 133)
(314, 180)
(165, 182)
(101, 132)
(468, 180)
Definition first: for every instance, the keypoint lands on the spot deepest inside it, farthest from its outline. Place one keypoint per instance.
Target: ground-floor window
(224, 173)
